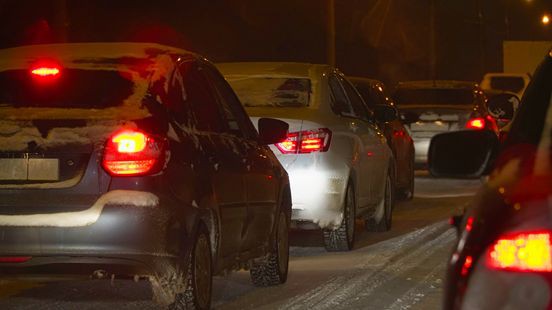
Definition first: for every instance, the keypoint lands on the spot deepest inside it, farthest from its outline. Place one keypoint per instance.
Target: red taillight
(529, 252)
(476, 123)
(14, 259)
(467, 265)
(306, 141)
(45, 71)
(132, 153)
(469, 224)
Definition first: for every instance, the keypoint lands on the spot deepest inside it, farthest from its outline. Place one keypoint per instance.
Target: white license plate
(35, 169)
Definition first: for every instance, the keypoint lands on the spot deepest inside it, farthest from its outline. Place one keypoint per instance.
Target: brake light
(132, 153)
(526, 252)
(45, 71)
(307, 141)
(476, 123)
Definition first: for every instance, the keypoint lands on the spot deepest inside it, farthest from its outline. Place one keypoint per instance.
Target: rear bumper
(318, 196)
(125, 238)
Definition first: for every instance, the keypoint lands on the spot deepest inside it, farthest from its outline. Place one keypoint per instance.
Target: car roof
(438, 84)
(283, 69)
(19, 56)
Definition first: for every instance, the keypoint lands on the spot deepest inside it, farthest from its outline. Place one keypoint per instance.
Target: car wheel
(342, 238)
(273, 269)
(190, 287)
(383, 222)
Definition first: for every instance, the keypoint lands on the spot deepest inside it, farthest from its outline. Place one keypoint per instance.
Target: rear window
(272, 92)
(434, 96)
(508, 83)
(72, 88)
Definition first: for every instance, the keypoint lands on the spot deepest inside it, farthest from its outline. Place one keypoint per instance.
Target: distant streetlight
(545, 19)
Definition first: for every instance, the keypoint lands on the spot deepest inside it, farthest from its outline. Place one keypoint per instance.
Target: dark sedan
(136, 159)
(398, 138)
(503, 258)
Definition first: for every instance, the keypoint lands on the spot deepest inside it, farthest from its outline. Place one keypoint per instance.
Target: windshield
(74, 88)
(449, 96)
(508, 83)
(272, 92)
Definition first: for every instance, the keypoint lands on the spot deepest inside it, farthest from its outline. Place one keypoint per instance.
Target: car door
(374, 159)
(261, 185)
(223, 168)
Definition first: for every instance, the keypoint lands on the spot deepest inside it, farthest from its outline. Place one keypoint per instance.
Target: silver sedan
(339, 164)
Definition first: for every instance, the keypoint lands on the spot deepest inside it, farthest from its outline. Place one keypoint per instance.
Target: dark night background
(385, 39)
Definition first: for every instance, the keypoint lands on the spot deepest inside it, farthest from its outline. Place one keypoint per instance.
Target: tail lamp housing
(133, 153)
(306, 141)
(522, 252)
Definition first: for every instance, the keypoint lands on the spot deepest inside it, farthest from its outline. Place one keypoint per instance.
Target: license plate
(34, 169)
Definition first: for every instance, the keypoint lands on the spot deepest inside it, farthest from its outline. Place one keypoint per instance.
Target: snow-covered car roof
(17, 57)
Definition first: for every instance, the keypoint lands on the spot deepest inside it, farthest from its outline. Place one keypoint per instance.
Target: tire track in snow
(413, 295)
(376, 257)
(361, 286)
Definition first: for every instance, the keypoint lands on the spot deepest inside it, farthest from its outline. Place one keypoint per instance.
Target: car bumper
(318, 197)
(493, 289)
(125, 238)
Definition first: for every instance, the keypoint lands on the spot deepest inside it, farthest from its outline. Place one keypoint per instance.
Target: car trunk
(425, 122)
(52, 133)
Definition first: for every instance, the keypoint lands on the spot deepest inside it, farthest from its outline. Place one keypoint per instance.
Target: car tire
(342, 238)
(273, 269)
(187, 288)
(384, 223)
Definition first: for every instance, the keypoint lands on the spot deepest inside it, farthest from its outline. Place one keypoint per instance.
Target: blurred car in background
(376, 98)
(503, 258)
(135, 159)
(431, 107)
(339, 164)
(509, 82)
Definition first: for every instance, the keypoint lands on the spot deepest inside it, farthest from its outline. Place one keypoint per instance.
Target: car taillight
(527, 252)
(133, 153)
(45, 71)
(476, 123)
(307, 141)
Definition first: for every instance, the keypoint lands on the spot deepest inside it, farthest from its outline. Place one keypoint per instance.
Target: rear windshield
(71, 88)
(434, 96)
(508, 83)
(272, 92)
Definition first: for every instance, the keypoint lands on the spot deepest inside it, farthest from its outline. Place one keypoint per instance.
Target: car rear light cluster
(480, 123)
(525, 252)
(133, 153)
(307, 141)
(476, 123)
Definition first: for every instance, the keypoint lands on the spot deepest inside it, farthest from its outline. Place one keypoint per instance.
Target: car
(339, 164)
(503, 256)
(136, 159)
(431, 107)
(511, 82)
(375, 96)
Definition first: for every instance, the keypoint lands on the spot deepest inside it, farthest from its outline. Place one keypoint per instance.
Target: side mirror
(272, 131)
(385, 113)
(502, 106)
(462, 154)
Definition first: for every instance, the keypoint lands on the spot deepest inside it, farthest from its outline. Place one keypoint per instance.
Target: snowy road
(399, 269)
